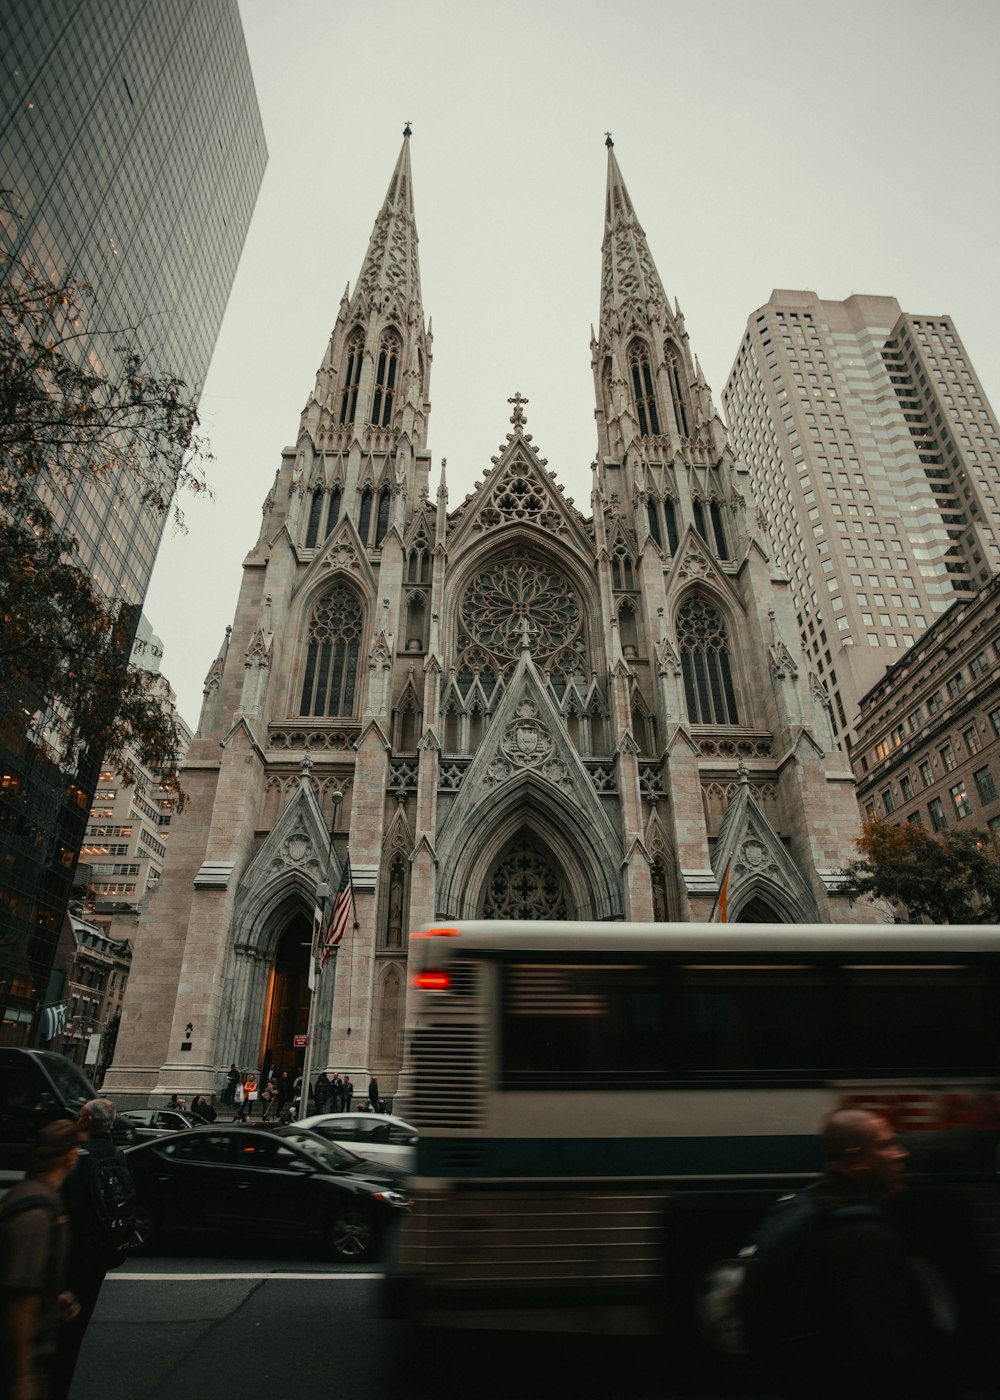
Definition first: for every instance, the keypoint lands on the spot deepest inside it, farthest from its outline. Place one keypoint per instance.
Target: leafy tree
(952, 877)
(66, 425)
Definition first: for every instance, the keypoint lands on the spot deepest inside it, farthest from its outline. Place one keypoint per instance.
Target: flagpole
(314, 948)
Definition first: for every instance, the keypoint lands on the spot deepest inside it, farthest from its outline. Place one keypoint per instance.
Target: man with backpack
(100, 1197)
(35, 1305)
(832, 1306)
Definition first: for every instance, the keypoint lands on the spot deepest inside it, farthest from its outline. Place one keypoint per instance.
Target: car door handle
(243, 1186)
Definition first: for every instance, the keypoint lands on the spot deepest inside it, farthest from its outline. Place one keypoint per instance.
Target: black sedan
(249, 1183)
(157, 1122)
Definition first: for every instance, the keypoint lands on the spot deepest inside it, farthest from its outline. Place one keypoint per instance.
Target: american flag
(338, 916)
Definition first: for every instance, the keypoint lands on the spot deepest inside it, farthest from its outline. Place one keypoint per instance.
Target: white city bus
(605, 1109)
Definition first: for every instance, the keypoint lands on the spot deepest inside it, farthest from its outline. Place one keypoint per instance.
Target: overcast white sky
(843, 147)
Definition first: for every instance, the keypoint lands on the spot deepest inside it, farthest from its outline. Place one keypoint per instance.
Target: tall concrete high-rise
(507, 709)
(131, 154)
(875, 461)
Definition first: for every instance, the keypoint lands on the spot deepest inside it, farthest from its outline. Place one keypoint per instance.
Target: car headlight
(393, 1198)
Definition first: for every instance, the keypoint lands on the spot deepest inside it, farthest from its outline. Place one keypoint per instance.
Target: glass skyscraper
(131, 155)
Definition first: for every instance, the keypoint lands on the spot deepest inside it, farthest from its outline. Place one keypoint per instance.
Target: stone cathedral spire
(372, 388)
(649, 385)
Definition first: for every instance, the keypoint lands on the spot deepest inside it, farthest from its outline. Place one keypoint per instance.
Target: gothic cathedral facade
(504, 710)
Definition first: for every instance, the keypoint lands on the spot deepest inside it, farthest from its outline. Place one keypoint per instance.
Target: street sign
(300, 1041)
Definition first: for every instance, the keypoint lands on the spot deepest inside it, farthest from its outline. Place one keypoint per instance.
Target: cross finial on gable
(517, 417)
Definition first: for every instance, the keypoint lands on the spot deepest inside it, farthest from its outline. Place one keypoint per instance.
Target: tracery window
(525, 885)
(513, 591)
(386, 368)
(704, 648)
(352, 378)
(622, 567)
(329, 684)
(643, 390)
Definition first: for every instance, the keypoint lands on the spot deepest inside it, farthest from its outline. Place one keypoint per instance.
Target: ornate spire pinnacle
(390, 267)
(629, 279)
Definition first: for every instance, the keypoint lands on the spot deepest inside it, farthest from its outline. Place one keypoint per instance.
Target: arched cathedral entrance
(287, 1013)
(526, 883)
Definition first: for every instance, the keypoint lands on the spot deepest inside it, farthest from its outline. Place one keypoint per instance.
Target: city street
(182, 1326)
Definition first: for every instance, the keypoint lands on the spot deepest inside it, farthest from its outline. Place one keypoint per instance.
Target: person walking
(269, 1101)
(347, 1091)
(833, 1305)
(373, 1098)
(100, 1198)
(321, 1092)
(232, 1079)
(239, 1102)
(35, 1301)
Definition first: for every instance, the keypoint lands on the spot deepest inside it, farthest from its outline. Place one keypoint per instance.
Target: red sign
(300, 1041)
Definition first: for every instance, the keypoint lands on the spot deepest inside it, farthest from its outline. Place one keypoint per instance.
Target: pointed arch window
(418, 563)
(653, 516)
(315, 517)
(721, 546)
(373, 517)
(699, 520)
(704, 647)
(352, 377)
(677, 394)
(622, 567)
(386, 371)
(382, 516)
(333, 514)
(643, 390)
(365, 514)
(670, 514)
(330, 681)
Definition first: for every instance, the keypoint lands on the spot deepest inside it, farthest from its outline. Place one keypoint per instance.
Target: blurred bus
(607, 1109)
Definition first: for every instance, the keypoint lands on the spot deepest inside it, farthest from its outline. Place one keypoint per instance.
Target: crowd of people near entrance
(276, 1096)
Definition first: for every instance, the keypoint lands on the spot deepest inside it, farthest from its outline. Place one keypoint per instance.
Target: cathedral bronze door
(287, 1013)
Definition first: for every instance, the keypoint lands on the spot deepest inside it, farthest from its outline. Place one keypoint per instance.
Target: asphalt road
(182, 1328)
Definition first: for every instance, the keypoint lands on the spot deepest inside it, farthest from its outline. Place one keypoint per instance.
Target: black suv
(38, 1087)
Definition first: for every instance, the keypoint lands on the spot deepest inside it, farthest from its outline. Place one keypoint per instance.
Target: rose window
(514, 600)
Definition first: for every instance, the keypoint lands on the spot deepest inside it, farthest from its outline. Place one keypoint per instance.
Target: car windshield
(74, 1090)
(331, 1154)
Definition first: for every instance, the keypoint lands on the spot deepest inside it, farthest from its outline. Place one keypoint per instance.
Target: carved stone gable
(526, 743)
